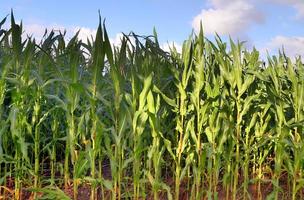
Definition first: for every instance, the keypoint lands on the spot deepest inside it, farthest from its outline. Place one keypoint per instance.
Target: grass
(210, 122)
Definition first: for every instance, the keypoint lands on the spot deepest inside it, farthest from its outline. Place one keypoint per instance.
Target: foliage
(214, 115)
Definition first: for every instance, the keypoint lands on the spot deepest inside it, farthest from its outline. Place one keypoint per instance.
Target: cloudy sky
(266, 24)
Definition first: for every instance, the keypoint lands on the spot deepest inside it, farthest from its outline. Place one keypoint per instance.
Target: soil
(84, 190)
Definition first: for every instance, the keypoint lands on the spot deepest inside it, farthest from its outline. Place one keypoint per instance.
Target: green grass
(209, 122)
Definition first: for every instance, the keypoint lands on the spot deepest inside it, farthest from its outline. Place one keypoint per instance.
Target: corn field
(135, 122)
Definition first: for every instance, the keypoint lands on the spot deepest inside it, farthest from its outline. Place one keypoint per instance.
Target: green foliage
(136, 122)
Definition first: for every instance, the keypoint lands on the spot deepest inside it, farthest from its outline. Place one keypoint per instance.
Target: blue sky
(266, 24)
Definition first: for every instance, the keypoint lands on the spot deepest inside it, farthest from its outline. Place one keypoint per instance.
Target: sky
(267, 25)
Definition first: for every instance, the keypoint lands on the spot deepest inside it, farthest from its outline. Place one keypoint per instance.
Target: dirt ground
(84, 190)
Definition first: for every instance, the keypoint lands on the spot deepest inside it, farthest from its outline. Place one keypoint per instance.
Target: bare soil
(85, 189)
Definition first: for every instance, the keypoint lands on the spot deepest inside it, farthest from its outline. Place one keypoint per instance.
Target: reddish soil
(84, 190)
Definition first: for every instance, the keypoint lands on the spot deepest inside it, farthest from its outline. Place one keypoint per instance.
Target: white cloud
(298, 5)
(232, 17)
(116, 41)
(37, 30)
(293, 46)
(169, 45)
(84, 33)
